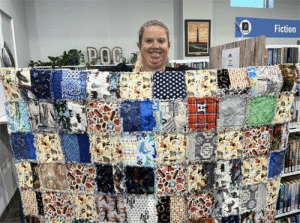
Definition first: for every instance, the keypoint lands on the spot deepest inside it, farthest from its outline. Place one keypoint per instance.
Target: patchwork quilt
(193, 146)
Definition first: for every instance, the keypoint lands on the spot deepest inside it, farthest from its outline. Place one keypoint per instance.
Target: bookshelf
(200, 64)
(287, 213)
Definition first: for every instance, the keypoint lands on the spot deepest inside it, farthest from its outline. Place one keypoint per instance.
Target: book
(282, 56)
(270, 56)
(278, 56)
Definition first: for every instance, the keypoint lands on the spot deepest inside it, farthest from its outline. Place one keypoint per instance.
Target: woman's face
(154, 48)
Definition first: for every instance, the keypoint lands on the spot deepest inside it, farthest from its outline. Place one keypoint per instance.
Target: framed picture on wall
(197, 37)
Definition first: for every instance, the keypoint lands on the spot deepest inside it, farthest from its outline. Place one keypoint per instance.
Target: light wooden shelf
(287, 213)
(290, 173)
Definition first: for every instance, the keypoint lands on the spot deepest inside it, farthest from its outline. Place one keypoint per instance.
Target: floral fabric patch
(78, 120)
(17, 117)
(200, 177)
(81, 178)
(62, 115)
(73, 84)
(139, 180)
(23, 147)
(200, 205)
(203, 113)
(24, 175)
(169, 85)
(289, 73)
(255, 170)
(10, 84)
(111, 208)
(53, 176)
(41, 116)
(257, 141)
(253, 197)
(136, 86)
(280, 136)
(103, 117)
(170, 179)
(273, 190)
(104, 178)
(141, 209)
(84, 207)
(48, 148)
(201, 83)
(178, 209)
(97, 86)
(29, 202)
(233, 112)
(171, 147)
(283, 107)
(261, 110)
(201, 145)
(239, 78)
(40, 83)
(228, 173)
(230, 144)
(58, 206)
(106, 149)
(276, 163)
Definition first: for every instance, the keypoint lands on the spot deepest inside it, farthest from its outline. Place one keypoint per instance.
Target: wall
(55, 26)
(16, 9)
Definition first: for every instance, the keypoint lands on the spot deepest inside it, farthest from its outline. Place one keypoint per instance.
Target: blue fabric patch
(56, 79)
(252, 72)
(276, 163)
(24, 117)
(20, 146)
(84, 148)
(147, 119)
(32, 149)
(40, 83)
(73, 84)
(231, 219)
(70, 147)
(104, 178)
(130, 112)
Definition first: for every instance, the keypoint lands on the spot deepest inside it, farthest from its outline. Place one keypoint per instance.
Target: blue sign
(274, 28)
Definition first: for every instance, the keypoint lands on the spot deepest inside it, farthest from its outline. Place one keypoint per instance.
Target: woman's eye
(161, 41)
(148, 41)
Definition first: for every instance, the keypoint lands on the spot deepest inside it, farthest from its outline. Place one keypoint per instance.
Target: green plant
(133, 57)
(89, 64)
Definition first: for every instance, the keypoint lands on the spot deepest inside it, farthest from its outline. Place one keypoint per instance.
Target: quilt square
(147, 118)
(73, 84)
(139, 180)
(97, 86)
(111, 208)
(163, 209)
(23, 147)
(32, 219)
(261, 110)
(248, 217)
(48, 148)
(230, 144)
(165, 116)
(239, 78)
(178, 209)
(228, 173)
(24, 173)
(39, 199)
(276, 163)
(130, 112)
(231, 219)
(255, 170)
(136, 85)
(253, 197)
(81, 178)
(289, 73)
(58, 206)
(233, 112)
(271, 212)
(201, 83)
(273, 190)
(203, 113)
(84, 148)
(223, 79)
(171, 179)
(118, 178)
(230, 204)
(169, 85)
(253, 80)
(103, 117)
(200, 177)
(70, 147)
(200, 205)
(17, 117)
(78, 120)
(53, 176)
(283, 107)
(35, 175)
(10, 84)
(29, 202)
(84, 207)
(115, 84)
(141, 209)
(129, 145)
(40, 83)
(106, 149)
(41, 116)
(280, 136)
(201, 145)
(257, 141)
(171, 148)
(55, 86)
(104, 178)
(62, 115)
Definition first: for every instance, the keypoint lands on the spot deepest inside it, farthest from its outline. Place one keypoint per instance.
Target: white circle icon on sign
(245, 27)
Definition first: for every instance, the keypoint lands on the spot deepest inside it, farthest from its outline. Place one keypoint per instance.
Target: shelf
(3, 120)
(287, 213)
(190, 60)
(290, 173)
(294, 130)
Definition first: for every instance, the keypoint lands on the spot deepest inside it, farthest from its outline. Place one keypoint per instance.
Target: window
(252, 3)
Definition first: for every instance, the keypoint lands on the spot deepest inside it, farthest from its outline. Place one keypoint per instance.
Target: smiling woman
(154, 47)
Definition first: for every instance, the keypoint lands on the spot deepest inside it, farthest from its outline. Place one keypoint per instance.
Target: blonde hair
(139, 62)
